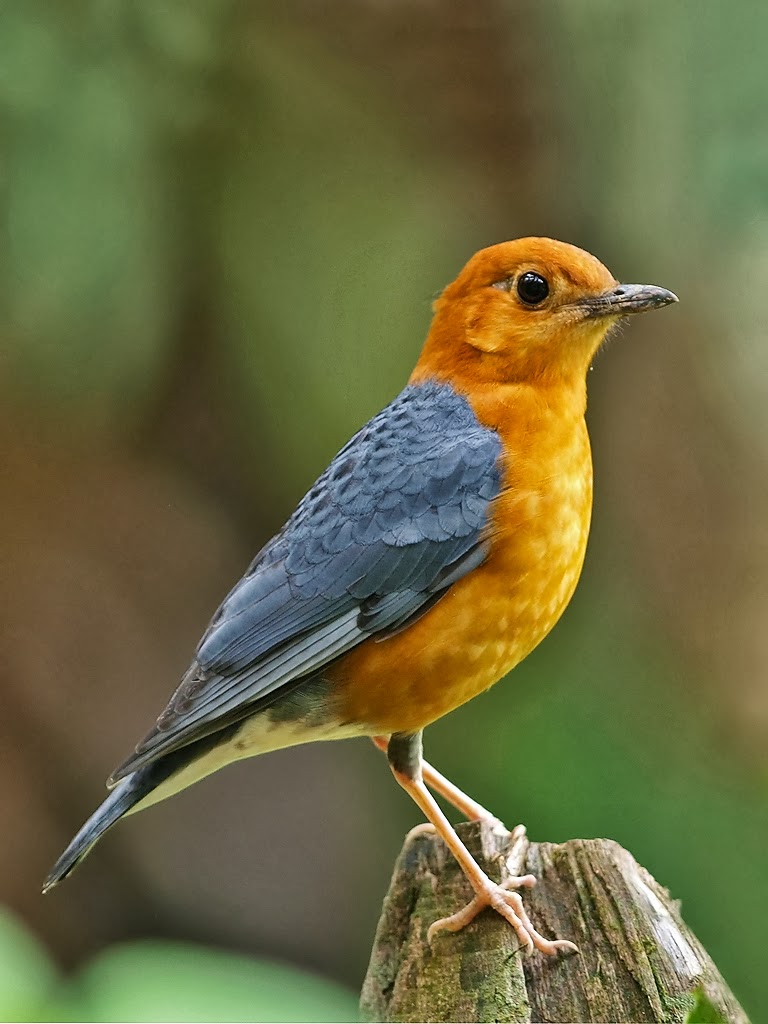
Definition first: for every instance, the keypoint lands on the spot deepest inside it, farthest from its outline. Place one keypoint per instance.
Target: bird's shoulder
(424, 468)
(406, 497)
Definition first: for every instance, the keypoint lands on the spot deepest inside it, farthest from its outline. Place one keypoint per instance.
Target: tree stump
(638, 961)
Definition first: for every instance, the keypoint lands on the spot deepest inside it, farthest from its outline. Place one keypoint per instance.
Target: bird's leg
(471, 809)
(405, 760)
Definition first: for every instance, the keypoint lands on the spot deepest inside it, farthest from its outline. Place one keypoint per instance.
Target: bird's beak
(626, 299)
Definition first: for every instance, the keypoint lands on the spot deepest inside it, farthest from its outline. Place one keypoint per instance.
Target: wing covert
(397, 517)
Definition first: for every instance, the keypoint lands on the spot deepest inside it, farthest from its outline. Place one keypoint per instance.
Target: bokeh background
(223, 224)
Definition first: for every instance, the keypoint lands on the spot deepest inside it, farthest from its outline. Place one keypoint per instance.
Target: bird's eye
(532, 288)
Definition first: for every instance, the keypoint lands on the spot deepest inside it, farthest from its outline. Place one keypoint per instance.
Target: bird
(436, 551)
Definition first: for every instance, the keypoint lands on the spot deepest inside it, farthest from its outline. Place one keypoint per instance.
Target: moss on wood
(638, 962)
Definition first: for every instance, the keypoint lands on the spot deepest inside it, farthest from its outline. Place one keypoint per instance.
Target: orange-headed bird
(434, 553)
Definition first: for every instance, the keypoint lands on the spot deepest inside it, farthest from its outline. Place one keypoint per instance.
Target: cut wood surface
(638, 961)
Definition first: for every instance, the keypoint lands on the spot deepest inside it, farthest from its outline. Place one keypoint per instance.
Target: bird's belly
(487, 623)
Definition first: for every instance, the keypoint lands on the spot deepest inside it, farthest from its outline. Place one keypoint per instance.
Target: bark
(638, 961)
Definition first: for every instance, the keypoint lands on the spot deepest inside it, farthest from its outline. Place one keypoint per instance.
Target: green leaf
(165, 981)
(27, 976)
(703, 1012)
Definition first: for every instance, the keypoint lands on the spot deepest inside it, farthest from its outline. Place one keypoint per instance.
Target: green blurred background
(223, 224)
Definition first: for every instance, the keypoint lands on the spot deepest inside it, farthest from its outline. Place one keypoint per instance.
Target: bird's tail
(122, 798)
(140, 789)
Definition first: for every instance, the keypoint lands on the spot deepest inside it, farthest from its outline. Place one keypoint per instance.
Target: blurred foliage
(27, 977)
(140, 130)
(85, 208)
(683, 78)
(675, 156)
(308, 255)
(160, 981)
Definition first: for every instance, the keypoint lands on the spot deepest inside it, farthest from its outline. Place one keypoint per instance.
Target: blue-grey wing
(399, 515)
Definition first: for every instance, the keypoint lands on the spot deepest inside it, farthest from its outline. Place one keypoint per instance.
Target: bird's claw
(425, 828)
(503, 898)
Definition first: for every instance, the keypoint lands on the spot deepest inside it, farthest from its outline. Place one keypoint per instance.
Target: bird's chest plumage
(490, 620)
(541, 525)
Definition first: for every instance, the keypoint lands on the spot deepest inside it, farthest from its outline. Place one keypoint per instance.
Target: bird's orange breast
(490, 620)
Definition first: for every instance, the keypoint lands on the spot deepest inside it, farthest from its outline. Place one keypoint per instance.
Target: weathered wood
(638, 961)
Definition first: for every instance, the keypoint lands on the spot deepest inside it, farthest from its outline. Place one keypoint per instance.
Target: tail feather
(122, 798)
(132, 789)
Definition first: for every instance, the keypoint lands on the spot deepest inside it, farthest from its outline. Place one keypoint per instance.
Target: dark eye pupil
(532, 288)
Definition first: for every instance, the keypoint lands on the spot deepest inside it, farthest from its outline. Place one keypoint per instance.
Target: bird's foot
(505, 901)
(426, 828)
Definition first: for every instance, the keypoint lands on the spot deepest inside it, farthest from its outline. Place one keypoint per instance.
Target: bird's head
(532, 310)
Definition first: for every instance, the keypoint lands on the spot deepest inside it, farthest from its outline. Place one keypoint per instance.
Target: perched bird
(435, 552)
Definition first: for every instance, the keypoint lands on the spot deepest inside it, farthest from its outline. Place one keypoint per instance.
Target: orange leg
(404, 753)
(471, 810)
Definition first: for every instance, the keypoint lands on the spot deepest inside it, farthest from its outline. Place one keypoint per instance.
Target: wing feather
(398, 517)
